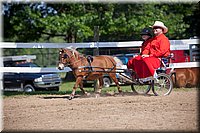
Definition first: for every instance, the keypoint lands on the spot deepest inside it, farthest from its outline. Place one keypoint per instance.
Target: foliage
(75, 22)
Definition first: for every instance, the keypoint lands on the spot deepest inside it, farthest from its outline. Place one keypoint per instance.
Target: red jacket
(160, 46)
(145, 47)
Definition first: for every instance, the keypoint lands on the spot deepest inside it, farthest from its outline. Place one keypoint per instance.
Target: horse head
(67, 57)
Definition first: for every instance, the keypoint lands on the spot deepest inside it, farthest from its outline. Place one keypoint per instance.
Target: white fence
(184, 65)
(175, 44)
(67, 69)
(32, 69)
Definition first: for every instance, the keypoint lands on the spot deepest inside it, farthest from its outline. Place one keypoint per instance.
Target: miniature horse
(91, 68)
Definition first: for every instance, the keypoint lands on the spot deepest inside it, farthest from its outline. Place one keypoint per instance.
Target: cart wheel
(140, 89)
(106, 82)
(163, 86)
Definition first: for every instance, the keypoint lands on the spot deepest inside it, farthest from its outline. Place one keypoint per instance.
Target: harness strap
(114, 65)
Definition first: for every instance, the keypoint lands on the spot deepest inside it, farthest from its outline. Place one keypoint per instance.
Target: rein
(113, 65)
(72, 63)
(76, 60)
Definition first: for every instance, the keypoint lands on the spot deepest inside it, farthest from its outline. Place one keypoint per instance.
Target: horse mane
(75, 53)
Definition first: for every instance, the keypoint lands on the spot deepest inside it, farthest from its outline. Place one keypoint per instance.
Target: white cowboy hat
(160, 24)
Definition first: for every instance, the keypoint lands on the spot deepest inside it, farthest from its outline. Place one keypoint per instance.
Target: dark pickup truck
(29, 82)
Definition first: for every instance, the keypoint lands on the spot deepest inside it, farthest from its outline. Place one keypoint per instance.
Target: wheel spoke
(141, 89)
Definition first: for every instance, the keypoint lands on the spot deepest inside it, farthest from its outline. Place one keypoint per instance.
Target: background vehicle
(125, 57)
(28, 82)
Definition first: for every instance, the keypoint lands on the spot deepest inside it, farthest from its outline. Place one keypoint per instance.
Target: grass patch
(184, 89)
(66, 88)
(15, 93)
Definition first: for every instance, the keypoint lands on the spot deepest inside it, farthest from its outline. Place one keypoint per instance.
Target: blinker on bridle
(65, 56)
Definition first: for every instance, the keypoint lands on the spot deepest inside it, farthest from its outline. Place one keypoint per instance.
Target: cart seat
(164, 63)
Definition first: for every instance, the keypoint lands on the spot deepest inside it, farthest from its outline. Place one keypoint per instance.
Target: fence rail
(184, 65)
(175, 44)
(33, 69)
(67, 69)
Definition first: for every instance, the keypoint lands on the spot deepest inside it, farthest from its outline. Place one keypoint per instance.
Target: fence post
(96, 39)
(1, 89)
(1, 73)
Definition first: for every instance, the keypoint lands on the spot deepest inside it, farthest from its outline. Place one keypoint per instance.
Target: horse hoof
(110, 93)
(71, 97)
(97, 95)
(87, 94)
(121, 93)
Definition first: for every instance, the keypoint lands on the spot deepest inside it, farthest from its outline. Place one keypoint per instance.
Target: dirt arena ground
(176, 112)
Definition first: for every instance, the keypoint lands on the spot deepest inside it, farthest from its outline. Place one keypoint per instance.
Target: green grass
(66, 88)
(185, 89)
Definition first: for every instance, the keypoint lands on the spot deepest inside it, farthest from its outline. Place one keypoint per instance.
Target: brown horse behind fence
(186, 77)
(91, 68)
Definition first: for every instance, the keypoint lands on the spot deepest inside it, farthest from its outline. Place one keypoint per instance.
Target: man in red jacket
(146, 64)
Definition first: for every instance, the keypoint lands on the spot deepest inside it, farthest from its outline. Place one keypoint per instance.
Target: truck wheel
(56, 89)
(28, 88)
(106, 82)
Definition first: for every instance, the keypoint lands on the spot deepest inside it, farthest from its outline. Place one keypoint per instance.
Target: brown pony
(77, 62)
(186, 77)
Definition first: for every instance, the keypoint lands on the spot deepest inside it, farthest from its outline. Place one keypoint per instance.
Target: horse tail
(112, 60)
(119, 63)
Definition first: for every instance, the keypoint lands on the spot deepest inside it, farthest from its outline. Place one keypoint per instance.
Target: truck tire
(29, 88)
(56, 89)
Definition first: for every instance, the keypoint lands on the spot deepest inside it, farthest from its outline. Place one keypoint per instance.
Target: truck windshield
(26, 65)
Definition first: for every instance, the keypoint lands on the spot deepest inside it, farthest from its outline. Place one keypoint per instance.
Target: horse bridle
(67, 56)
(64, 56)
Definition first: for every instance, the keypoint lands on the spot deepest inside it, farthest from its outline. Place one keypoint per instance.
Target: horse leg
(98, 92)
(113, 76)
(78, 80)
(81, 87)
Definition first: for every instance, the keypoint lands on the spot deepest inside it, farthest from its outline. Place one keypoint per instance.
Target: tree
(75, 22)
(69, 22)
